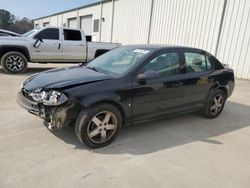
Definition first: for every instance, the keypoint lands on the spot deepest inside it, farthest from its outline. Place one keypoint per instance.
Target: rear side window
(196, 62)
(49, 34)
(165, 64)
(217, 64)
(72, 35)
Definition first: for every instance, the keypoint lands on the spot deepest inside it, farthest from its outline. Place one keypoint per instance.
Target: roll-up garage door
(72, 23)
(86, 24)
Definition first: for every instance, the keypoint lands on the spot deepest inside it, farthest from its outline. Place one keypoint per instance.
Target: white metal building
(222, 27)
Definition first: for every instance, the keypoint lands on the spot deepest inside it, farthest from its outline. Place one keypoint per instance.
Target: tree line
(10, 22)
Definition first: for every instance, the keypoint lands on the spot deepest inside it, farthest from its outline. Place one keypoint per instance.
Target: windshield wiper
(93, 68)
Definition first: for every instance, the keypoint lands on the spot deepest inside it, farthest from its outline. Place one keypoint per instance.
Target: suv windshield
(118, 61)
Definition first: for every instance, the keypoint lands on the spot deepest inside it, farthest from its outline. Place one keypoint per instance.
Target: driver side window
(166, 64)
(48, 34)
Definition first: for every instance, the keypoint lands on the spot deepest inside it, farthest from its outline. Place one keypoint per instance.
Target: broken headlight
(49, 98)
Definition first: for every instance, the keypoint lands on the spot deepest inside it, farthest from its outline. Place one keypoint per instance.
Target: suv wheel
(215, 104)
(98, 126)
(14, 62)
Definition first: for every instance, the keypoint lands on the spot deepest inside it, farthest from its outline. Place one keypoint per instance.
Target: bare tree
(9, 22)
(22, 26)
(6, 19)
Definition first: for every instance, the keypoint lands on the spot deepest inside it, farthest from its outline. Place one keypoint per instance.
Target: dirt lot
(187, 151)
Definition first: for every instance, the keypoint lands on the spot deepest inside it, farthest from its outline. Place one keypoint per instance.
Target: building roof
(77, 8)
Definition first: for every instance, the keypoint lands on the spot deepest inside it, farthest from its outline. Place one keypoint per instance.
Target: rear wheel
(14, 62)
(215, 104)
(98, 126)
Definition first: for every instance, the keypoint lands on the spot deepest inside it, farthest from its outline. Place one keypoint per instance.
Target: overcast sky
(38, 8)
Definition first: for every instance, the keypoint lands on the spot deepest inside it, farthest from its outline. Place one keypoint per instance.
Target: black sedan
(125, 86)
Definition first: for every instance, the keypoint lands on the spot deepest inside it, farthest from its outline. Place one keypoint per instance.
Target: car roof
(163, 47)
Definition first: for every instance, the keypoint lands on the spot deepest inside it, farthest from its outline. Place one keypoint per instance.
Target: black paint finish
(136, 101)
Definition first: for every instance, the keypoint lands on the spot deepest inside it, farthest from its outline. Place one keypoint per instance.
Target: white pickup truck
(49, 45)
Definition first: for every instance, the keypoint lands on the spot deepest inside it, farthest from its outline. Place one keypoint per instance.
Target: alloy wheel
(102, 127)
(15, 63)
(216, 104)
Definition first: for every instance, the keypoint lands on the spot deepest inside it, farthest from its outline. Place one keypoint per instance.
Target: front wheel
(98, 126)
(14, 62)
(215, 104)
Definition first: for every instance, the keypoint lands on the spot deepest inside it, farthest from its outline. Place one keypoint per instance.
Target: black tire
(14, 62)
(212, 109)
(85, 125)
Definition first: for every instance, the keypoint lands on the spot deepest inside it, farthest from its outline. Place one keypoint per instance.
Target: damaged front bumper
(55, 116)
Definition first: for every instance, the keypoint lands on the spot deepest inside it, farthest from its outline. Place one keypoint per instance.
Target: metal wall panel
(106, 23)
(68, 15)
(193, 23)
(234, 46)
(186, 22)
(131, 21)
(53, 20)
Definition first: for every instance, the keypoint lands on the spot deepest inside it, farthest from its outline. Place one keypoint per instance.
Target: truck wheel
(99, 125)
(14, 62)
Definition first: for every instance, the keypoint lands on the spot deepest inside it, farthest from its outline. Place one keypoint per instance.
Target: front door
(163, 95)
(49, 48)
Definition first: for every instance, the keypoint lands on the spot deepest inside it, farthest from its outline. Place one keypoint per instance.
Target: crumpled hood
(63, 77)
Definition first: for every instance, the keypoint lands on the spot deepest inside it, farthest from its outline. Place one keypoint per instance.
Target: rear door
(160, 96)
(198, 77)
(50, 47)
(73, 46)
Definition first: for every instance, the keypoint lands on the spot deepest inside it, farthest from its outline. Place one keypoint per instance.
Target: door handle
(81, 44)
(59, 45)
(178, 84)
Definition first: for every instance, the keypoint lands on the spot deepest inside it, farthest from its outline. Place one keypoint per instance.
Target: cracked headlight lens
(49, 98)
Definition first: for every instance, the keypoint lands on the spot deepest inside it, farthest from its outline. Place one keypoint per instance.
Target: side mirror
(147, 75)
(89, 38)
(38, 42)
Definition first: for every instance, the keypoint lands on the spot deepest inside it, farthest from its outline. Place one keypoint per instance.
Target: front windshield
(118, 61)
(27, 34)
